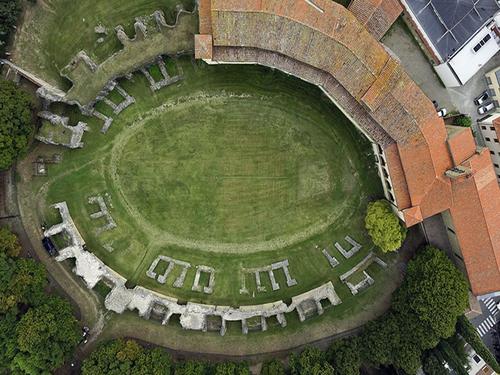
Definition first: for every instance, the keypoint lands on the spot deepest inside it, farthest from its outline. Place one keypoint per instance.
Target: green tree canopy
(424, 311)
(9, 244)
(434, 292)
(127, 357)
(311, 361)
(344, 356)
(191, 368)
(384, 226)
(273, 367)
(16, 127)
(231, 368)
(9, 12)
(46, 336)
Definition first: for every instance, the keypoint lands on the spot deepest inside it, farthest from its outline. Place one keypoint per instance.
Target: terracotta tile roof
(476, 217)
(323, 43)
(204, 10)
(461, 143)
(377, 15)
(203, 48)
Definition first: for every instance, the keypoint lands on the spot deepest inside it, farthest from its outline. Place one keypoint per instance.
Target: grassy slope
(53, 31)
(84, 172)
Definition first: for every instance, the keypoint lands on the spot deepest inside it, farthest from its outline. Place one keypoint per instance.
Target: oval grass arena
(236, 169)
(233, 168)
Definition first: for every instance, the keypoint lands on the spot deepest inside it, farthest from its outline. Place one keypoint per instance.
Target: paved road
(485, 322)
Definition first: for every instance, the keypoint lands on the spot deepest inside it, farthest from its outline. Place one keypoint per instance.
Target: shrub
(464, 121)
(384, 226)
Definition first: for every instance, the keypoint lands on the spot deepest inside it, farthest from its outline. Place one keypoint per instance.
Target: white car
(486, 108)
(482, 98)
(442, 112)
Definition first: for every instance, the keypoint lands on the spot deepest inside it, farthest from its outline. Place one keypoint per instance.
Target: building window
(492, 128)
(496, 140)
(482, 42)
(496, 165)
(492, 152)
(488, 80)
(487, 139)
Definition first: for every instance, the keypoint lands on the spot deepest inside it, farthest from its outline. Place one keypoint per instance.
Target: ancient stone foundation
(194, 316)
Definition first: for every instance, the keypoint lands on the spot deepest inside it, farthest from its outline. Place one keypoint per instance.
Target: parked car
(442, 112)
(485, 95)
(486, 108)
(49, 246)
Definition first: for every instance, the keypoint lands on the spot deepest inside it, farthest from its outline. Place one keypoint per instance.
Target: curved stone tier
(194, 316)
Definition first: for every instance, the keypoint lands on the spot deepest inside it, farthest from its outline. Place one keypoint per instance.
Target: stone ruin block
(361, 266)
(127, 101)
(58, 132)
(355, 247)
(167, 79)
(196, 284)
(270, 272)
(331, 259)
(102, 213)
(101, 116)
(179, 282)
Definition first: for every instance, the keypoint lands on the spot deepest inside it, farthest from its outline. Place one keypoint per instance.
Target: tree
(9, 244)
(434, 292)
(433, 364)
(424, 310)
(344, 356)
(9, 12)
(311, 361)
(273, 367)
(8, 344)
(16, 127)
(384, 226)
(231, 368)
(191, 368)
(46, 336)
(127, 357)
(469, 333)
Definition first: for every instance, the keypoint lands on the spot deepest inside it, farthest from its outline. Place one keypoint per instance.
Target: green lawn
(234, 167)
(54, 31)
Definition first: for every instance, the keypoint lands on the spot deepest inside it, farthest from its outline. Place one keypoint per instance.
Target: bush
(384, 226)
(16, 128)
(464, 121)
(469, 333)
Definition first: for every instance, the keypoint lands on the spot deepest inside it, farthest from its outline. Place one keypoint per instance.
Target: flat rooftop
(449, 24)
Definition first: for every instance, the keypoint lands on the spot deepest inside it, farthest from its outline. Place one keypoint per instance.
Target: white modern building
(460, 35)
(490, 130)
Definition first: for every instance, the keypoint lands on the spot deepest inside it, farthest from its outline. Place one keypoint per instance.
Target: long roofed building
(425, 168)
